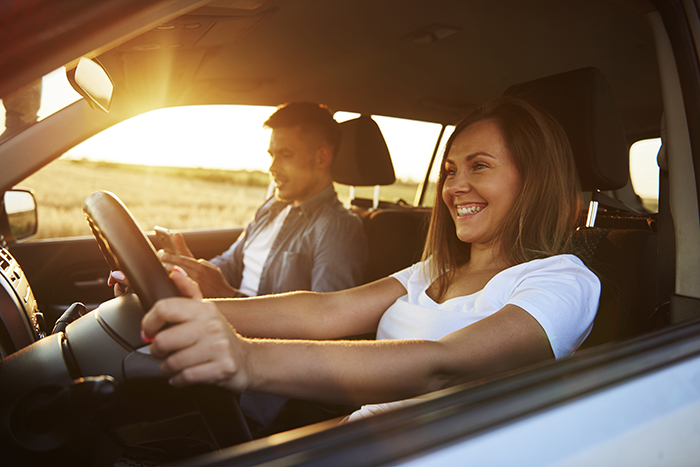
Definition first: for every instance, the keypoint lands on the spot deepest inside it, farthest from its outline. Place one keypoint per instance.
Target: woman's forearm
(197, 346)
(310, 315)
(381, 371)
(351, 372)
(287, 316)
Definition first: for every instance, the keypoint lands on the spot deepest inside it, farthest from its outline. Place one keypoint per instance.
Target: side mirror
(92, 81)
(20, 208)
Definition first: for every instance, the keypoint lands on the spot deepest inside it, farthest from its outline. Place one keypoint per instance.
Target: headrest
(582, 103)
(363, 158)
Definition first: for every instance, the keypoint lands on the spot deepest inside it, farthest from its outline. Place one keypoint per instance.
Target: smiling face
(298, 168)
(482, 183)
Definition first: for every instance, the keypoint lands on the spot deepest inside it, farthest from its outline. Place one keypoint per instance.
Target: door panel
(63, 271)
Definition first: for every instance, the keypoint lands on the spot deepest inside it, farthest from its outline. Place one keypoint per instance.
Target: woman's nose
(460, 183)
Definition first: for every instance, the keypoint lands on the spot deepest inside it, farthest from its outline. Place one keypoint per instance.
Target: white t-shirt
(560, 292)
(256, 252)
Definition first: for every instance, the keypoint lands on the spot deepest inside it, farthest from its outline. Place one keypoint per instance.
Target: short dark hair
(313, 118)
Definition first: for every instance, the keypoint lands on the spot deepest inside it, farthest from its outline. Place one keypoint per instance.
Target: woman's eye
(479, 165)
(450, 171)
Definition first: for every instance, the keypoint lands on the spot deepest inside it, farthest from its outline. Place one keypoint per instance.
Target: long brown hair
(546, 210)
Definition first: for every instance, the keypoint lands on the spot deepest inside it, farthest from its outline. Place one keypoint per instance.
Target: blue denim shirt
(321, 247)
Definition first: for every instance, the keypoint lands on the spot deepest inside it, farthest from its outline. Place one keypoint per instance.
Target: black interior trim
(684, 308)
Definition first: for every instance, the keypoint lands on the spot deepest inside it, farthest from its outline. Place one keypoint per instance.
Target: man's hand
(209, 277)
(195, 342)
(181, 244)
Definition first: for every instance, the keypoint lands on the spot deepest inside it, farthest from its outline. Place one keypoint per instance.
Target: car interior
(616, 241)
(601, 68)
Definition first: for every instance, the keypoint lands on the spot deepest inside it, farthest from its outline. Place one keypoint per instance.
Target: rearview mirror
(20, 207)
(92, 82)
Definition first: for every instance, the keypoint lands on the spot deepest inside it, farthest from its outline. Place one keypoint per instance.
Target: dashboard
(21, 322)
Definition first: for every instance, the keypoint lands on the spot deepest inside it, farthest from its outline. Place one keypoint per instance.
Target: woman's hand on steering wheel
(195, 342)
(118, 280)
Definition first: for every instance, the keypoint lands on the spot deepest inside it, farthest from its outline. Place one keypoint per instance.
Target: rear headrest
(363, 158)
(582, 103)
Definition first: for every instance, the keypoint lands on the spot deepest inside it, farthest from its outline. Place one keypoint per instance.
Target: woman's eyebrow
(477, 154)
(470, 157)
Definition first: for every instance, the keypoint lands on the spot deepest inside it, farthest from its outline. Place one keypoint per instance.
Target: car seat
(363, 157)
(395, 233)
(621, 247)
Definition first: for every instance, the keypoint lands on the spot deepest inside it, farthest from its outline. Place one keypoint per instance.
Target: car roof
(424, 60)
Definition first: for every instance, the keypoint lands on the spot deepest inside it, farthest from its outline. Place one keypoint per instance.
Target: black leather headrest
(582, 103)
(363, 158)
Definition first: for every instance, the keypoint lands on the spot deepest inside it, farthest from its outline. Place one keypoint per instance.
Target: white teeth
(462, 211)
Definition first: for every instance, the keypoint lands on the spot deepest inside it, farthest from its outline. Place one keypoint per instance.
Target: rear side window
(644, 172)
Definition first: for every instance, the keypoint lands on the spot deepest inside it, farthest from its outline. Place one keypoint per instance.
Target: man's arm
(340, 255)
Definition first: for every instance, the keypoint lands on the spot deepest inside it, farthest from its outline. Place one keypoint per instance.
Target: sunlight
(644, 170)
(226, 137)
(232, 137)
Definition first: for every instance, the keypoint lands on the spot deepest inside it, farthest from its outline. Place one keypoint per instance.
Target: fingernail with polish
(146, 339)
(184, 273)
(118, 275)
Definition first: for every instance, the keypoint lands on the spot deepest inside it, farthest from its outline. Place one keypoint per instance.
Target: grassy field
(156, 196)
(177, 198)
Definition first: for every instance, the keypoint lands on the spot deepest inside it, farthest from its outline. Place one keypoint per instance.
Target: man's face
(295, 167)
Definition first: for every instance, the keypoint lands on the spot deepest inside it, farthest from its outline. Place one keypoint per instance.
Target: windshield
(34, 102)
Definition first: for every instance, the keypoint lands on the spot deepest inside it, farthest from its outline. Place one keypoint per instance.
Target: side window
(197, 167)
(182, 168)
(644, 172)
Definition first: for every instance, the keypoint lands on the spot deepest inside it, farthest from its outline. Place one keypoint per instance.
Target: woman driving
(496, 290)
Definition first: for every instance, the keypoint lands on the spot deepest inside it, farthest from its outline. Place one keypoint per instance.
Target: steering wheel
(126, 248)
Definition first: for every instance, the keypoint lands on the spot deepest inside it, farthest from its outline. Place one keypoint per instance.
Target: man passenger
(302, 238)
